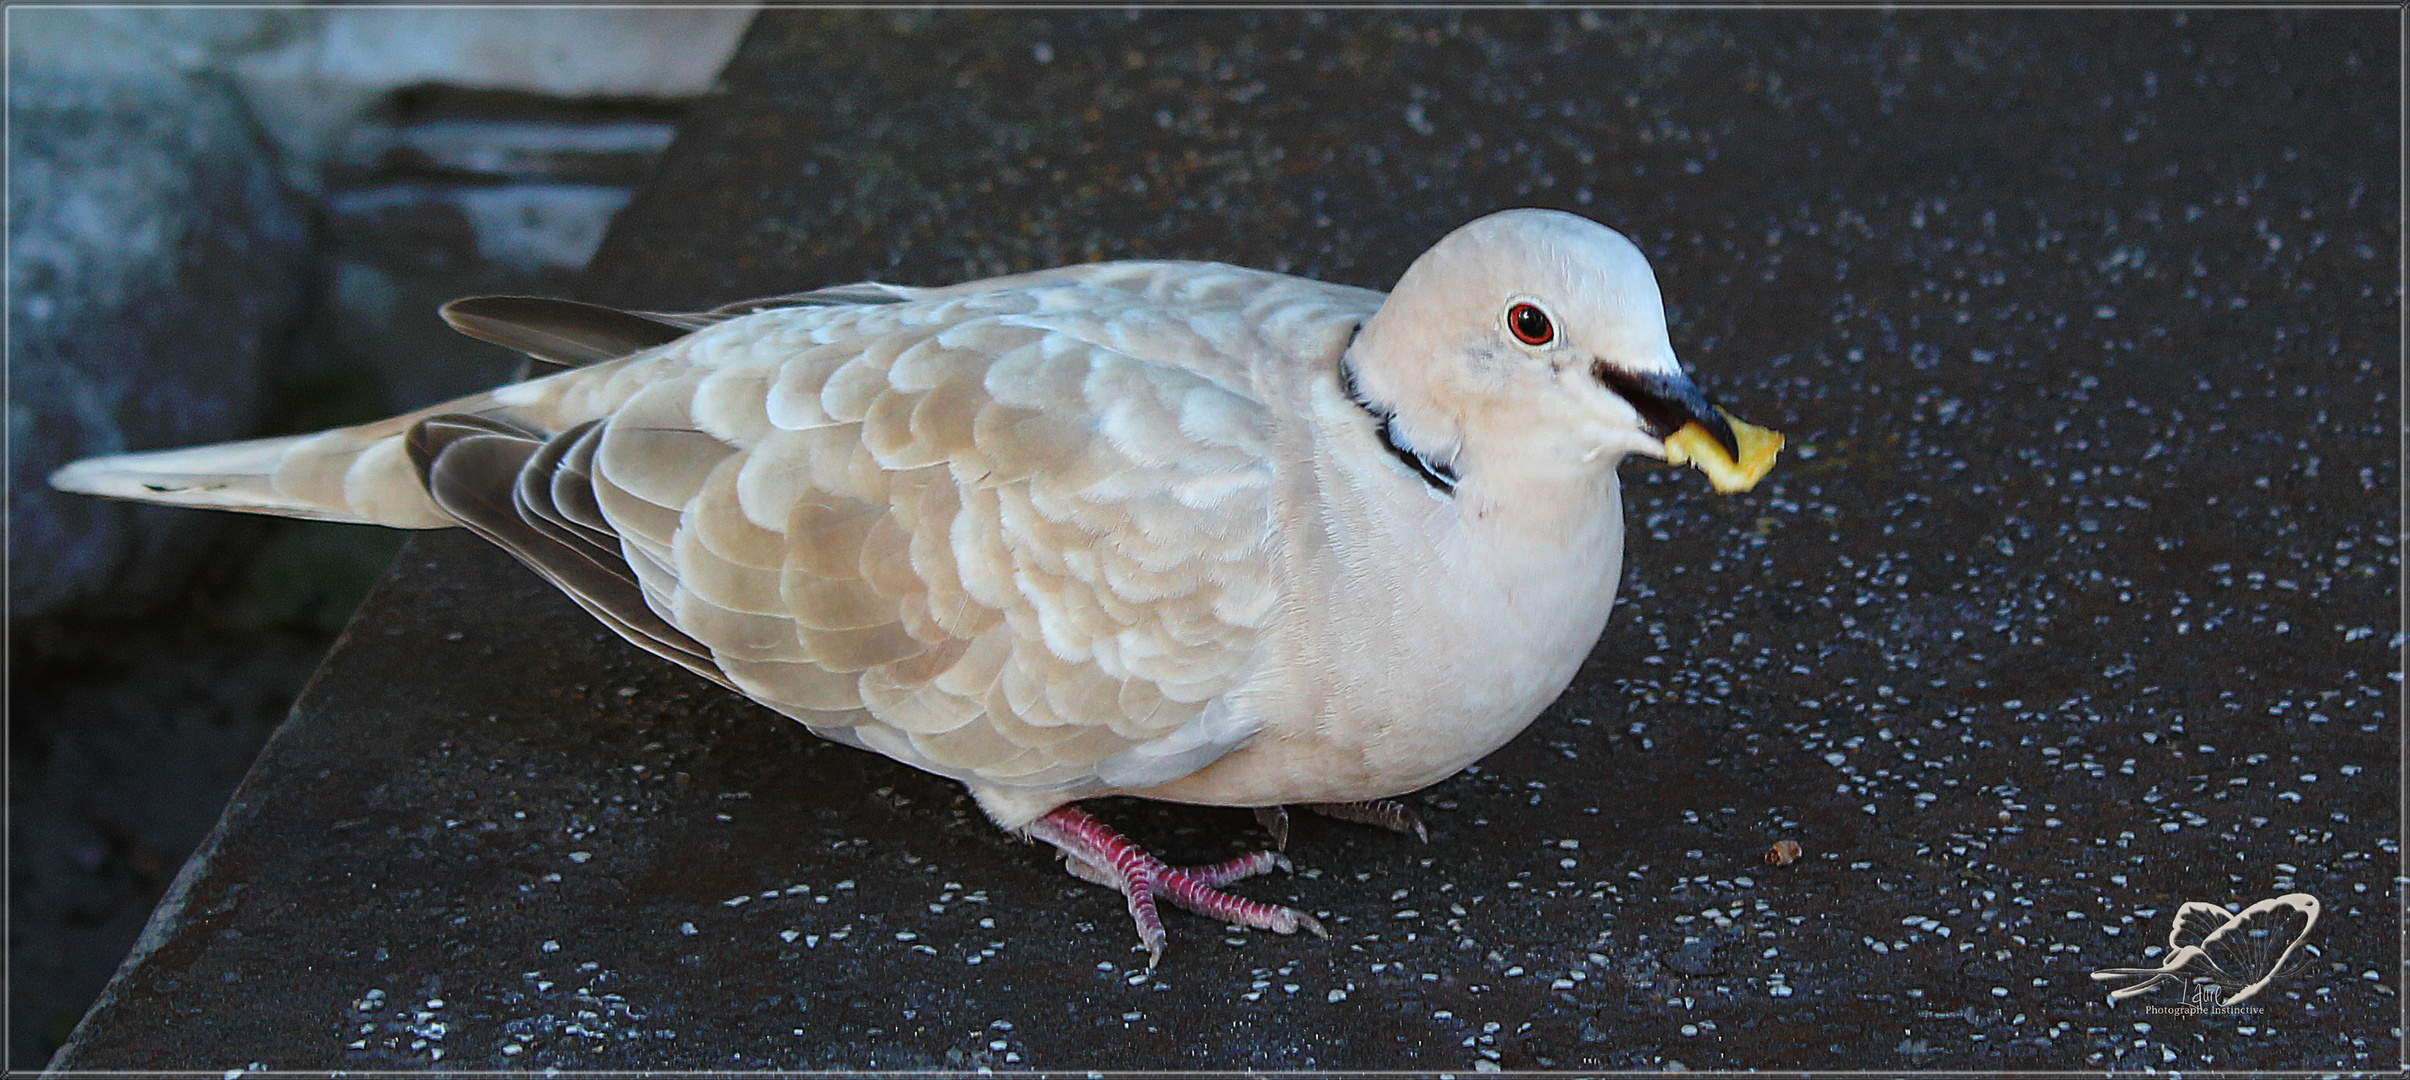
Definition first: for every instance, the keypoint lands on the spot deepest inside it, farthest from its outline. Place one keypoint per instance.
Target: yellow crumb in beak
(1694, 446)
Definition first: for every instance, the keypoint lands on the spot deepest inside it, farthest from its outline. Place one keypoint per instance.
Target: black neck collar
(1441, 475)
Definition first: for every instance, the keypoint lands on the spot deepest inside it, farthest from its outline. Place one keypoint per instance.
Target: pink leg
(1097, 853)
(1249, 865)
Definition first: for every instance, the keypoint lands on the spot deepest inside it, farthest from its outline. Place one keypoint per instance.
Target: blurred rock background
(239, 222)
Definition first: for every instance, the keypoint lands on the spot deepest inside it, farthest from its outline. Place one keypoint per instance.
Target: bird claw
(1275, 820)
(1095, 853)
(1389, 814)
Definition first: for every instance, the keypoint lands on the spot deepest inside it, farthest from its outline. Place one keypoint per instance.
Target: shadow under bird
(1178, 530)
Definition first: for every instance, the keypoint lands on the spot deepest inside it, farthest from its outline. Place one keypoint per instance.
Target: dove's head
(1529, 342)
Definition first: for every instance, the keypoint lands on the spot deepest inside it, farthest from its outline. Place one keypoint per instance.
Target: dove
(1183, 531)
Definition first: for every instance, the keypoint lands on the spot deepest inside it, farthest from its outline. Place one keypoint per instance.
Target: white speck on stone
(790, 935)
(580, 856)
(688, 929)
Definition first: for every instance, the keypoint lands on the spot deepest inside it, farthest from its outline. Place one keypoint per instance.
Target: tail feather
(364, 474)
(361, 475)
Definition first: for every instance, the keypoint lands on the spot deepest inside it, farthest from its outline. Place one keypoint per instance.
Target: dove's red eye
(1530, 325)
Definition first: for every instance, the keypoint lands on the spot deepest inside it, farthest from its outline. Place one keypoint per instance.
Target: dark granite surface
(2076, 601)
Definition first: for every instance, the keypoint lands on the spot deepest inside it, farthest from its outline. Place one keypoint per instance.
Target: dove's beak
(1734, 454)
(1669, 403)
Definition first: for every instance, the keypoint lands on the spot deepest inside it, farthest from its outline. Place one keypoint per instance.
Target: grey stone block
(155, 264)
(613, 152)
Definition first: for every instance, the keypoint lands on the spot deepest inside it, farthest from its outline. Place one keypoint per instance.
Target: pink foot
(1386, 813)
(1389, 814)
(1098, 854)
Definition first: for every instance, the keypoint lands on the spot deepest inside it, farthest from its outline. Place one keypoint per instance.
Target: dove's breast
(1416, 636)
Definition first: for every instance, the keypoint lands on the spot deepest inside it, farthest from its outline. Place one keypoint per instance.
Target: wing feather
(1013, 536)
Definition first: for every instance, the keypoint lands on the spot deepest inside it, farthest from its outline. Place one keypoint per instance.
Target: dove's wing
(1015, 536)
(561, 334)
